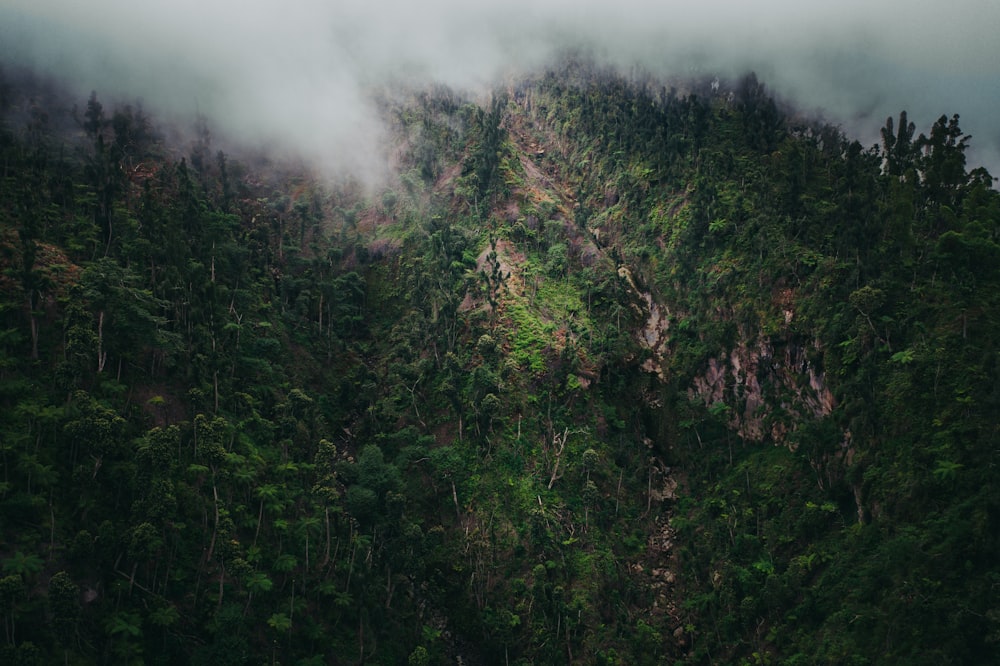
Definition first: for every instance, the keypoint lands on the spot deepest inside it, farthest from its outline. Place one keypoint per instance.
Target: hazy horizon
(300, 74)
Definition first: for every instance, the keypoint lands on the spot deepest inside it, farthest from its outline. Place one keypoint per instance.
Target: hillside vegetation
(608, 372)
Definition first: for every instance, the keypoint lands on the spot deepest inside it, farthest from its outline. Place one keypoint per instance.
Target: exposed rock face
(768, 389)
(658, 573)
(655, 333)
(767, 386)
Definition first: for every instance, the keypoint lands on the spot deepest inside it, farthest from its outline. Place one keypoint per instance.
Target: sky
(299, 73)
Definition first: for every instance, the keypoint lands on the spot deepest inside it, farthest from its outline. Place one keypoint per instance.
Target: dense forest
(606, 372)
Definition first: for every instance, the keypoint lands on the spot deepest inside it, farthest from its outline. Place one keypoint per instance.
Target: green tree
(64, 605)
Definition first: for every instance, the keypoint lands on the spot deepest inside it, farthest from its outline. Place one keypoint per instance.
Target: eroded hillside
(606, 373)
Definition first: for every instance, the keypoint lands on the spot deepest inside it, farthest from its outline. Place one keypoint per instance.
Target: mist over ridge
(498, 335)
(300, 74)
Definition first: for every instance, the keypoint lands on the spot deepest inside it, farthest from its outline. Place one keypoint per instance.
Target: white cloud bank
(296, 71)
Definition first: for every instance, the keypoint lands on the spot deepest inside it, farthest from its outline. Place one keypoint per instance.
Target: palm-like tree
(307, 525)
(22, 565)
(269, 496)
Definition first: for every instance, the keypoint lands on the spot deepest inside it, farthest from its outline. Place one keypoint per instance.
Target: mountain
(605, 371)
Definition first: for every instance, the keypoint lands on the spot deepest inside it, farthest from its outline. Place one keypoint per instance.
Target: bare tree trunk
(389, 588)
(618, 492)
(350, 566)
(559, 444)
(222, 580)
(260, 519)
(361, 640)
(34, 326)
(102, 356)
(215, 530)
(326, 552)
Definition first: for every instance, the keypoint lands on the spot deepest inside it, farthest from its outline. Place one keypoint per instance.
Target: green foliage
(608, 374)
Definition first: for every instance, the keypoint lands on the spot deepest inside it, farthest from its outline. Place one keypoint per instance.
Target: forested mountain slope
(608, 372)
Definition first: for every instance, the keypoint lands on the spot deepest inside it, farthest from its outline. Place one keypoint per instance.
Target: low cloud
(298, 73)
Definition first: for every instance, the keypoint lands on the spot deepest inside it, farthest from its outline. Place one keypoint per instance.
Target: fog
(299, 73)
